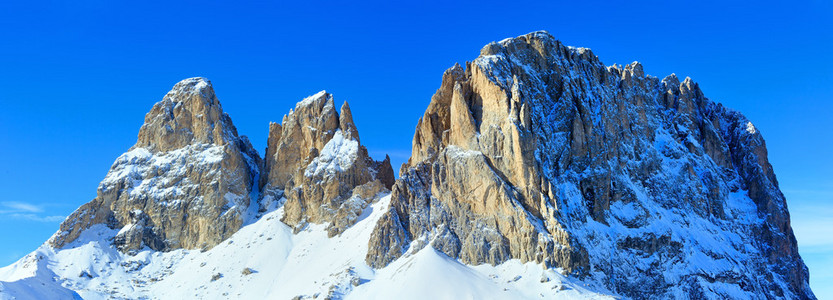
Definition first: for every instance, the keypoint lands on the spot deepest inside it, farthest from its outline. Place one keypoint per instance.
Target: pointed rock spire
(346, 122)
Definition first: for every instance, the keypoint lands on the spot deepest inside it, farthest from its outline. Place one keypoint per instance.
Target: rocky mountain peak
(186, 183)
(537, 151)
(315, 161)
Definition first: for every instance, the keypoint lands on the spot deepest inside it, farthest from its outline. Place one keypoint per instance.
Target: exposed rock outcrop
(186, 183)
(642, 187)
(315, 160)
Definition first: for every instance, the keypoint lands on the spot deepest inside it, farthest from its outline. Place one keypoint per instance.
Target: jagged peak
(671, 80)
(636, 69)
(346, 114)
(346, 122)
(690, 83)
(633, 69)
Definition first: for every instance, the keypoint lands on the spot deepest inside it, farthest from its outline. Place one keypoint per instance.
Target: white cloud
(34, 217)
(26, 211)
(12, 206)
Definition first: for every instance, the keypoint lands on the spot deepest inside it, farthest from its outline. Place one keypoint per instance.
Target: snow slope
(264, 260)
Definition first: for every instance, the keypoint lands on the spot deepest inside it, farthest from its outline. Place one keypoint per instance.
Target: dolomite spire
(315, 160)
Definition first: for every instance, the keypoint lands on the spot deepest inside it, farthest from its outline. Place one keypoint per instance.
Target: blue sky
(76, 79)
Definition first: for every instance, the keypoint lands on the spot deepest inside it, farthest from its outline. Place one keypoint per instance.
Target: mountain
(536, 172)
(643, 187)
(188, 182)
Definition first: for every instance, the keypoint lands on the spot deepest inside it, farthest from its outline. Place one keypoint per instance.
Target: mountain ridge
(533, 153)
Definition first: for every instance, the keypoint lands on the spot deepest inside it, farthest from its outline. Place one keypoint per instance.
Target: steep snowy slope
(265, 260)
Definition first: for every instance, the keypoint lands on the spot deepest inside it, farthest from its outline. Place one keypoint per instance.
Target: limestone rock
(186, 183)
(537, 151)
(316, 162)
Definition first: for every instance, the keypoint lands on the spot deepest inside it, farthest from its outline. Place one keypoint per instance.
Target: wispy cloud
(34, 217)
(20, 206)
(813, 225)
(26, 211)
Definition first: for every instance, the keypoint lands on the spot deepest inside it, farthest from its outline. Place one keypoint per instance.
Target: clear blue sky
(77, 77)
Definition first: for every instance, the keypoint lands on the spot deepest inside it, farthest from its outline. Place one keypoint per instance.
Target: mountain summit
(536, 172)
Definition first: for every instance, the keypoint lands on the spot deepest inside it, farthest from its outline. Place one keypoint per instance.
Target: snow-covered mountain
(536, 172)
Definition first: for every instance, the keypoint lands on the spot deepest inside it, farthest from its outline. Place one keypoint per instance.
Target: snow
(201, 84)
(338, 155)
(162, 176)
(455, 152)
(126, 228)
(750, 128)
(308, 100)
(211, 155)
(282, 264)
(427, 273)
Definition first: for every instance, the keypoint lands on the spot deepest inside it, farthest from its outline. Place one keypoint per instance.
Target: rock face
(642, 187)
(189, 181)
(315, 160)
